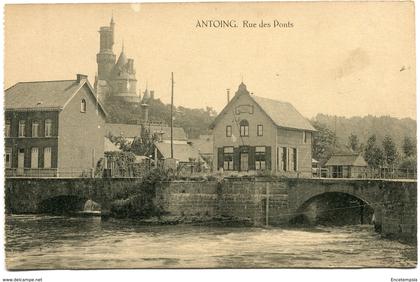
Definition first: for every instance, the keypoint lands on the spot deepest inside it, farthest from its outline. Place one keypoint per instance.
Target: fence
(368, 173)
(189, 170)
(48, 172)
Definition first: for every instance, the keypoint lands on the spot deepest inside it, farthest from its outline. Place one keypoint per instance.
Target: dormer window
(83, 106)
(244, 128)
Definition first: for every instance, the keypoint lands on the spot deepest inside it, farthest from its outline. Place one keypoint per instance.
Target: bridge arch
(334, 207)
(63, 204)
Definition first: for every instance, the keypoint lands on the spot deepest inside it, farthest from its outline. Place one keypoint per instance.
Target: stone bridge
(35, 195)
(394, 202)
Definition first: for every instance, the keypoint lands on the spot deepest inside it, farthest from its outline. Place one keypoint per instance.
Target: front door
(244, 161)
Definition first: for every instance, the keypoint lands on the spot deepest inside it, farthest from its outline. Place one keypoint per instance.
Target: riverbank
(57, 242)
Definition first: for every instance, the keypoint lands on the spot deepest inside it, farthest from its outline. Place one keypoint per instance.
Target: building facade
(116, 80)
(53, 128)
(259, 134)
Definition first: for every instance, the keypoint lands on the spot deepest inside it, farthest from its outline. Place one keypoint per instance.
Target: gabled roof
(347, 160)
(44, 95)
(133, 130)
(283, 114)
(182, 152)
(121, 129)
(109, 146)
(204, 144)
(179, 133)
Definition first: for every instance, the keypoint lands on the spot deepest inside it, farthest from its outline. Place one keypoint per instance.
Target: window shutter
(251, 154)
(268, 157)
(219, 158)
(236, 159)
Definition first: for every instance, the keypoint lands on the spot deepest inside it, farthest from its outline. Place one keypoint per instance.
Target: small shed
(346, 166)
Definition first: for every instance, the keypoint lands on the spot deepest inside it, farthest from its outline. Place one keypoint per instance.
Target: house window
(293, 159)
(283, 158)
(260, 130)
(8, 157)
(47, 157)
(7, 129)
(305, 137)
(337, 171)
(34, 157)
(35, 128)
(259, 158)
(228, 131)
(228, 158)
(83, 106)
(48, 128)
(22, 128)
(244, 128)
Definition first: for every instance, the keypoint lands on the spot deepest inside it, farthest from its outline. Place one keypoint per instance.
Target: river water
(58, 242)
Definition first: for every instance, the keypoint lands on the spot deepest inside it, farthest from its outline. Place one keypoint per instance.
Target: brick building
(253, 133)
(53, 128)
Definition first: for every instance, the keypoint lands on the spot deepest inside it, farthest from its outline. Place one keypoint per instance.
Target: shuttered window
(228, 158)
(260, 158)
(284, 158)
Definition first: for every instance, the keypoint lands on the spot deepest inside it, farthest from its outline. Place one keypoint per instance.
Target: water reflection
(56, 242)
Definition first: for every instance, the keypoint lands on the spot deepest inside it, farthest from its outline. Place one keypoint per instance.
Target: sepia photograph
(228, 135)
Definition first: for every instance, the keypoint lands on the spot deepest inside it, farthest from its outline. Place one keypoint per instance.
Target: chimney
(228, 95)
(81, 77)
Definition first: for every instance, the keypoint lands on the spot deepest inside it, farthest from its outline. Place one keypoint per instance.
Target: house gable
(360, 161)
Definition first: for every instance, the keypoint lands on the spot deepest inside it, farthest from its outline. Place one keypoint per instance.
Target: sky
(346, 59)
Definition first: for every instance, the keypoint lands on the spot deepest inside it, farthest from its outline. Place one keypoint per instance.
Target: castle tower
(106, 57)
(123, 79)
(116, 80)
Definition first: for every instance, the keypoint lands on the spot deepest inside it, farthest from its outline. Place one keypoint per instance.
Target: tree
(323, 144)
(373, 154)
(390, 150)
(145, 144)
(122, 143)
(353, 142)
(409, 147)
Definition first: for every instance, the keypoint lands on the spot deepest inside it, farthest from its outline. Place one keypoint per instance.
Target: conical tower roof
(122, 60)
